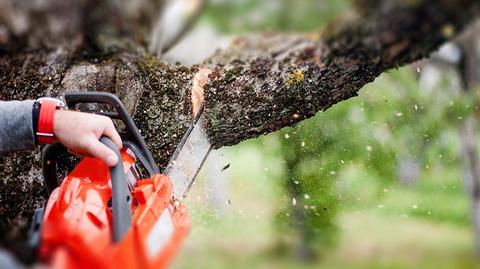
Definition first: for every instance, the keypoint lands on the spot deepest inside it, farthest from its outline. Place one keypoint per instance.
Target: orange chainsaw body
(77, 225)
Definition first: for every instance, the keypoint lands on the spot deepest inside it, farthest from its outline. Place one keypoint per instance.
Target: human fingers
(98, 150)
(111, 132)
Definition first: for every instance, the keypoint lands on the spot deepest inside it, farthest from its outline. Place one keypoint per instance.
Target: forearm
(16, 128)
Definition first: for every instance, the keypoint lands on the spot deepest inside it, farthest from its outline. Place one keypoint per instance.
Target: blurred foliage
(236, 16)
(355, 155)
(346, 160)
(312, 207)
(371, 135)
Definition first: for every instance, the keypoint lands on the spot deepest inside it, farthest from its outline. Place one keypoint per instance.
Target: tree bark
(258, 85)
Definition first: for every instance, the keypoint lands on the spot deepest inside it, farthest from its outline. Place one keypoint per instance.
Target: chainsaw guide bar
(188, 158)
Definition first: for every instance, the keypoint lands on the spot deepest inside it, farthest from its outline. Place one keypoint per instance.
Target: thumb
(102, 152)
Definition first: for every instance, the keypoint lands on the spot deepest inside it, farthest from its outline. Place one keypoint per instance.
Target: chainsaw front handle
(131, 136)
(121, 199)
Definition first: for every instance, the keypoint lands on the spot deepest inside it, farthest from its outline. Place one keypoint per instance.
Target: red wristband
(45, 121)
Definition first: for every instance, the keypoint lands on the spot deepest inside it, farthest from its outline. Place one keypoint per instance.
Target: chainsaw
(127, 216)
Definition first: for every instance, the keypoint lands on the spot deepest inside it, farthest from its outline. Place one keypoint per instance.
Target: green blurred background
(374, 182)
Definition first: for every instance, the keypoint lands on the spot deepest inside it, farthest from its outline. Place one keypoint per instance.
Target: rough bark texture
(156, 94)
(260, 84)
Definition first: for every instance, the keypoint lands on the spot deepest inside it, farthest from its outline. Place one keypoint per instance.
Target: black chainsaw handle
(131, 135)
(121, 199)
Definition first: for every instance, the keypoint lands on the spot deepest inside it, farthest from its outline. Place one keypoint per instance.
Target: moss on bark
(164, 111)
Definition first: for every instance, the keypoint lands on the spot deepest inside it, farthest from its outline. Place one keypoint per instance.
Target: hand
(80, 133)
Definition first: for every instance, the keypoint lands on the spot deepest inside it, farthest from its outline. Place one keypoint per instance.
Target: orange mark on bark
(199, 80)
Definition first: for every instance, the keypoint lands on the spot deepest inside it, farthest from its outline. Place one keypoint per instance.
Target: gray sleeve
(16, 127)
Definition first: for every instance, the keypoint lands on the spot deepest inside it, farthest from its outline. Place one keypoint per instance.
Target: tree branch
(267, 82)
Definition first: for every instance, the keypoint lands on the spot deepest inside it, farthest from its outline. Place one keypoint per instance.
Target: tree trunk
(298, 218)
(470, 78)
(260, 84)
(472, 175)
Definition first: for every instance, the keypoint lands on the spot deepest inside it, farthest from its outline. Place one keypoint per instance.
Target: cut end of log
(199, 80)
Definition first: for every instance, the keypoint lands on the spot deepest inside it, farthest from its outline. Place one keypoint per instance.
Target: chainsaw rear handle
(121, 199)
(130, 135)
